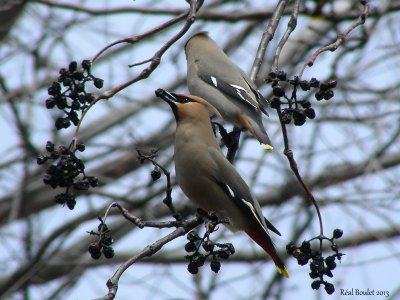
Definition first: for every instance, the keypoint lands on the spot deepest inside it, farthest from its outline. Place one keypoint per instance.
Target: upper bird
(208, 178)
(213, 76)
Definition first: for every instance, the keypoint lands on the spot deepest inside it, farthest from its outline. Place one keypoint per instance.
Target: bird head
(200, 45)
(197, 36)
(182, 104)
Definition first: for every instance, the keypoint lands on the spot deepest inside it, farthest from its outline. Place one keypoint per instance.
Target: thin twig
(140, 63)
(111, 10)
(293, 165)
(168, 198)
(138, 37)
(341, 38)
(139, 222)
(290, 28)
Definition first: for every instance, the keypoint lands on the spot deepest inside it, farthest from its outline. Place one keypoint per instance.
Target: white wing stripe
(230, 191)
(239, 91)
(214, 81)
(238, 87)
(252, 209)
(241, 96)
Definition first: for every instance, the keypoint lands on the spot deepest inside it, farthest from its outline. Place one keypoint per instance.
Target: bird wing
(235, 91)
(229, 79)
(263, 103)
(238, 191)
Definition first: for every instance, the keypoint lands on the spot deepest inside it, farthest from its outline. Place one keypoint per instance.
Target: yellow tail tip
(284, 272)
(267, 147)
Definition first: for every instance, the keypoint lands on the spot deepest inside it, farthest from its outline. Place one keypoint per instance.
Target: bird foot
(230, 139)
(233, 146)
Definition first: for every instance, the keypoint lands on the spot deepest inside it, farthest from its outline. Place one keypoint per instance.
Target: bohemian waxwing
(208, 178)
(212, 76)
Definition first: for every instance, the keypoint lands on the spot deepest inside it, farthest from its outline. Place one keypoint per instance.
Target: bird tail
(267, 147)
(256, 128)
(264, 241)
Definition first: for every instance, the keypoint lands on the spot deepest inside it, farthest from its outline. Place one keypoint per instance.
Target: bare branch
(290, 28)
(150, 250)
(266, 38)
(139, 222)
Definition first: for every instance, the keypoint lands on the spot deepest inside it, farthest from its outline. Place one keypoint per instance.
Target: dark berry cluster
(103, 245)
(319, 266)
(216, 251)
(66, 171)
(296, 109)
(68, 92)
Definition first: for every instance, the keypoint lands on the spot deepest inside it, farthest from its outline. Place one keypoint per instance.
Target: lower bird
(209, 179)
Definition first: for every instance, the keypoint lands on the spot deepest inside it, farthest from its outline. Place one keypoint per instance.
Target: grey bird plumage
(212, 76)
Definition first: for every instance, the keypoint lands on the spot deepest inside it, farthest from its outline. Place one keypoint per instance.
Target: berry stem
(293, 165)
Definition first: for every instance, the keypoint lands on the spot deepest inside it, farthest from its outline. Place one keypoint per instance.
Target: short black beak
(170, 99)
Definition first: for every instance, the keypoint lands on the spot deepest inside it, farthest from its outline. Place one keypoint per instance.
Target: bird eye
(183, 100)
